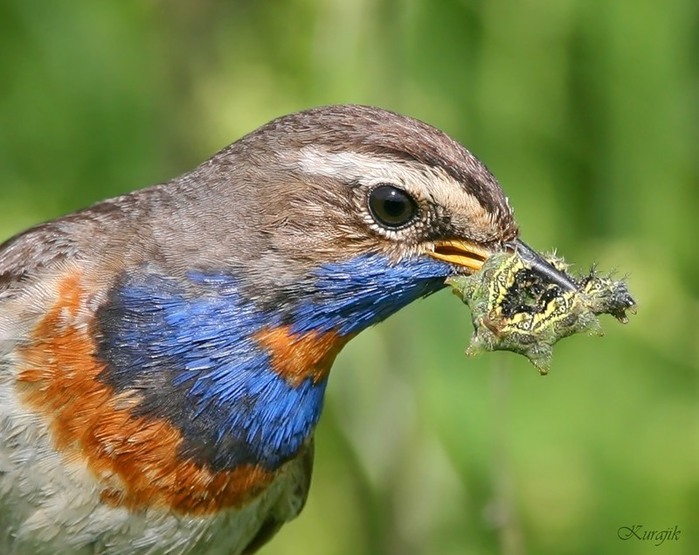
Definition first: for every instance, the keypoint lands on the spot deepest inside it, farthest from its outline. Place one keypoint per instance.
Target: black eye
(391, 206)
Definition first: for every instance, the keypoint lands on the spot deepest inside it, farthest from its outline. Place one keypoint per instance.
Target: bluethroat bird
(164, 354)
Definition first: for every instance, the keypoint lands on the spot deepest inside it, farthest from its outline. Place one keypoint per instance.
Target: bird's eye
(391, 206)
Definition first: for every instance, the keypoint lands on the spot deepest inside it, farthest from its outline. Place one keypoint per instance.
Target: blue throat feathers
(192, 350)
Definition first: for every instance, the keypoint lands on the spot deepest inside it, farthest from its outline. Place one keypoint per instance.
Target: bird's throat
(353, 294)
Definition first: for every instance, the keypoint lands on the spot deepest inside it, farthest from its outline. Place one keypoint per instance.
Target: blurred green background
(586, 110)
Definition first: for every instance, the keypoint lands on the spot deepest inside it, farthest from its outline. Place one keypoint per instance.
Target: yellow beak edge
(461, 253)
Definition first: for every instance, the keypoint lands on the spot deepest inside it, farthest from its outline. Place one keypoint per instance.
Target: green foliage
(587, 112)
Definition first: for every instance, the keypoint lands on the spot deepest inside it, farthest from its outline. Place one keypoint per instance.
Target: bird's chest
(161, 423)
(153, 411)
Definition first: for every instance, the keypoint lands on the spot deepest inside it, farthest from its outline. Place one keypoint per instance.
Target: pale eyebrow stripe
(429, 183)
(351, 166)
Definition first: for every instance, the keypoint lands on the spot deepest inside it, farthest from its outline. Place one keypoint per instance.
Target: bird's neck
(242, 385)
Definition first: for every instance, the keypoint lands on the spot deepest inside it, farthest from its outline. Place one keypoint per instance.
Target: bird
(164, 354)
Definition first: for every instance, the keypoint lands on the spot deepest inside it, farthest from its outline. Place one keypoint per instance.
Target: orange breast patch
(297, 357)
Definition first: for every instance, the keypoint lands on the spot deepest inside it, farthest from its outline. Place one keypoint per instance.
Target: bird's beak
(461, 253)
(472, 256)
(539, 264)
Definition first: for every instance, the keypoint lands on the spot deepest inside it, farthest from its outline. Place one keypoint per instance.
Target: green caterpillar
(515, 308)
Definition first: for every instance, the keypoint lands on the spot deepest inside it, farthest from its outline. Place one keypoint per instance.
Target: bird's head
(354, 212)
